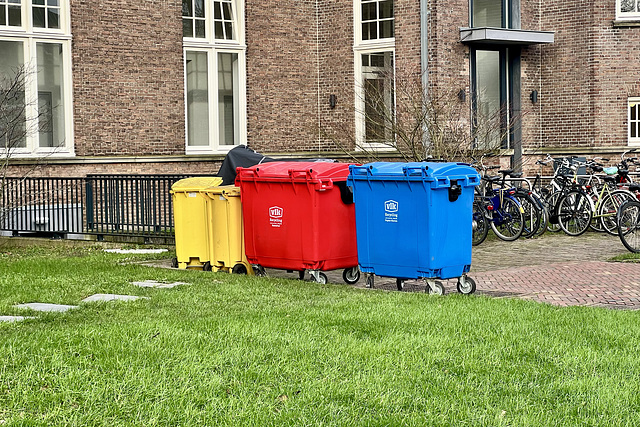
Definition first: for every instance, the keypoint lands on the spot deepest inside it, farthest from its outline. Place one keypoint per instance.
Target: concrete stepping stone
(111, 297)
(136, 251)
(159, 285)
(14, 318)
(41, 306)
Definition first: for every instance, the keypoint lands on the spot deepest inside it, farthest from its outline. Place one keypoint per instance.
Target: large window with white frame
(628, 10)
(633, 118)
(374, 60)
(35, 78)
(215, 75)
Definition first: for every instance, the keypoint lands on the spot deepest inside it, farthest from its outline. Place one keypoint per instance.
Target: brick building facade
(169, 86)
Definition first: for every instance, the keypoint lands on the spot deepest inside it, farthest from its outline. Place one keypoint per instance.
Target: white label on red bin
(275, 216)
(390, 211)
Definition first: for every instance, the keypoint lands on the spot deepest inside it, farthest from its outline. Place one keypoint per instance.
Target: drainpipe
(424, 62)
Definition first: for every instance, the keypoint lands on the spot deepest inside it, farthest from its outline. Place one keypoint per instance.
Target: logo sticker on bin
(275, 216)
(390, 211)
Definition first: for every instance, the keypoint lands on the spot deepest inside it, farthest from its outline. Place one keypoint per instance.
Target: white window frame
(366, 47)
(30, 36)
(635, 142)
(212, 47)
(626, 16)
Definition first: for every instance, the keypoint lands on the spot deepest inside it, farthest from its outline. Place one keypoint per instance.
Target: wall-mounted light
(332, 101)
(462, 95)
(534, 96)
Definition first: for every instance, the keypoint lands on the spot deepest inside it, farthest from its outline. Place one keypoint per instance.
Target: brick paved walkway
(556, 269)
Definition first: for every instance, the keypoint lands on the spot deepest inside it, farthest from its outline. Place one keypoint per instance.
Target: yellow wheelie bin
(226, 231)
(192, 222)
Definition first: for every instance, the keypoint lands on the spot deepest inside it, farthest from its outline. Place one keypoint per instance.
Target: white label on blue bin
(275, 216)
(391, 211)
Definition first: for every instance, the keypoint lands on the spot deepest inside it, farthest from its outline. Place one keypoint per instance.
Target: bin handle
(293, 172)
(422, 169)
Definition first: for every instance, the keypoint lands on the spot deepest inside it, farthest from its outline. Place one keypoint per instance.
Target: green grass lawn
(233, 350)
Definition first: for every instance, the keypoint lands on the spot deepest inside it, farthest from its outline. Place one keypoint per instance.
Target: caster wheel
(301, 275)
(174, 263)
(370, 281)
(351, 275)
(206, 266)
(466, 285)
(435, 288)
(400, 284)
(320, 277)
(239, 269)
(258, 270)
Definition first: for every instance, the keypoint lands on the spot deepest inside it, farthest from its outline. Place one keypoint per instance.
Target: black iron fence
(123, 205)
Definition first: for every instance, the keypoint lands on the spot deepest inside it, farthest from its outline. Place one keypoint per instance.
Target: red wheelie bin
(299, 216)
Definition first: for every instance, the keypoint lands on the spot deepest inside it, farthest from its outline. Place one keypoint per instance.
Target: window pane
(187, 28)
(217, 12)
(369, 11)
(386, 29)
(627, 5)
(386, 9)
(226, 8)
(219, 30)
(197, 99)
(3, 15)
(199, 8)
(186, 8)
(487, 13)
(228, 30)
(38, 2)
(53, 2)
(15, 16)
(488, 97)
(200, 31)
(50, 95)
(227, 97)
(633, 112)
(38, 17)
(378, 92)
(12, 119)
(52, 17)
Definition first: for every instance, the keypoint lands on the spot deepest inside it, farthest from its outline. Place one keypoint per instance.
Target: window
(377, 19)
(214, 75)
(374, 72)
(628, 9)
(35, 78)
(634, 121)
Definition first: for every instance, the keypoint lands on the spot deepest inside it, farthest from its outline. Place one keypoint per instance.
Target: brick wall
(127, 77)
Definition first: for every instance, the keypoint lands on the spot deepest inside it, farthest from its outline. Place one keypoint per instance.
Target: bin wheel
(370, 281)
(400, 284)
(206, 266)
(351, 275)
(258, 270)
(301, 275)
(174, 263)
(239, 269)
(320, 277)
(435, 288)
(466, 285)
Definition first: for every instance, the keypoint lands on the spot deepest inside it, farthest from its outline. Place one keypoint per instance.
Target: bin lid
(294, 171)
(440, 173)
(225, 190)
(196, 183)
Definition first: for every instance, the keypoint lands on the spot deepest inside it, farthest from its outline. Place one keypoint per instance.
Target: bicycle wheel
(544, 216)
(508, 221)
(551, 203)
(574, 213)
(608, 210)
(629, 225)
(480, 223)
(596, 224)
(532, 214)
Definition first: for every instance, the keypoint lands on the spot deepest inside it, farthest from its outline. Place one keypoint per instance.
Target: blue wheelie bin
(414, 220)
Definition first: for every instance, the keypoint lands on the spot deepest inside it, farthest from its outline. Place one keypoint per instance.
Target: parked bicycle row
(581, 194)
